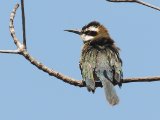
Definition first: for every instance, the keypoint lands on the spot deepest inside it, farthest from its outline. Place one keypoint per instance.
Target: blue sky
(27, 93)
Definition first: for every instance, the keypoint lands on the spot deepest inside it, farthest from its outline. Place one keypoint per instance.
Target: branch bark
(23, 24)
(137, 1)
(10, 51)
(23, 51)
(39, 65)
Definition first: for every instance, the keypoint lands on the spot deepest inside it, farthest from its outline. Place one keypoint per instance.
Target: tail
(110, 92)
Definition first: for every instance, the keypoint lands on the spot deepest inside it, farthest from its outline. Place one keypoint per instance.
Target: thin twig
(148, 5)
(23, 24)
(140, 79)
(10, 51)
(120, 0)
(137, 1)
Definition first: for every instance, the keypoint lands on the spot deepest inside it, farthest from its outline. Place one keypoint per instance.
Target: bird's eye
(91, 33)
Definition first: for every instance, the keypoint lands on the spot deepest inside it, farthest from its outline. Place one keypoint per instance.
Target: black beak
(74, 31)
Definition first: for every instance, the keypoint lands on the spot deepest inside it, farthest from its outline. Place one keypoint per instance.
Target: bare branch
(33, 61)
(10, 51)
(120, 0)
(21, 50)
(148, 5)
(50, 71)
(23, 24)
(12, 31)
(137, 1)
(142, 79)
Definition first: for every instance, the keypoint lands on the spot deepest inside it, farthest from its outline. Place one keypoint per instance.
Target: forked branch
(137, 1)
(21, 49)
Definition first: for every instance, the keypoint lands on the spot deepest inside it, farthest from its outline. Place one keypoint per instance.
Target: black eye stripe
(91, 33)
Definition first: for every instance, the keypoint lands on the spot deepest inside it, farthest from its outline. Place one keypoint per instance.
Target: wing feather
(87, 66)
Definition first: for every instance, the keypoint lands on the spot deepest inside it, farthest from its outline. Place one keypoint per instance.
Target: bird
(100, 60)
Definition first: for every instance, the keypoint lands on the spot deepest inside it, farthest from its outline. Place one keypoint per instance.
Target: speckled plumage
(101, 55)
(100, 60)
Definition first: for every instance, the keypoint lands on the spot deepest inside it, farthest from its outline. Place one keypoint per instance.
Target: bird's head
(92, 31)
